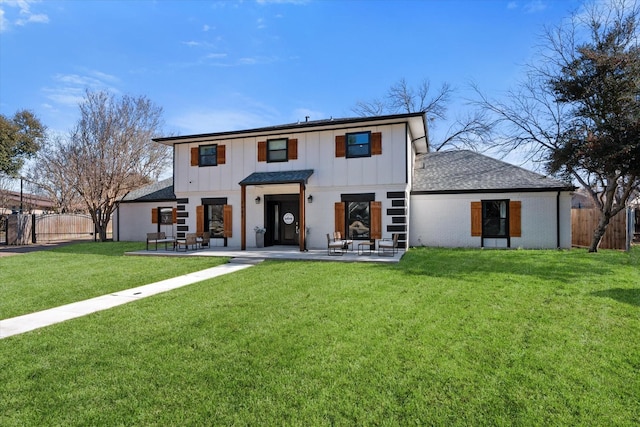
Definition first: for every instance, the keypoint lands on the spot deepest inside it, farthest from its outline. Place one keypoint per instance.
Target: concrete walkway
(288, 253)
(29, 322)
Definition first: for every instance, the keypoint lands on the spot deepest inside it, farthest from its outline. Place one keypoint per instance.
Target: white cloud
(282, 1)
(69, 89)
(68, 98)
(200, 44)
(211, 121)
(248, 61)
(24, 14)
(206, 28)
(241, 112)
(4, 24)
(216, 55)
(99, 75)
(535, 6)
(40, 18)
(256, 60)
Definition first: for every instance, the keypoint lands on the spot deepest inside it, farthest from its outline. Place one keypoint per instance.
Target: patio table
(364, 248)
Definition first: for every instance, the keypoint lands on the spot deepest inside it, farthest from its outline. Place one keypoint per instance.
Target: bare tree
(108, 154)
(578, 111)
(50, 171)
(465, 132)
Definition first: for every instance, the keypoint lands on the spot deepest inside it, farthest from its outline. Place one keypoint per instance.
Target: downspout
(558, 220)
(116, 238)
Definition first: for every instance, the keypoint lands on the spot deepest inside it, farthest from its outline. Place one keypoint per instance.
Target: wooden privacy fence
(25, 229)
(585, 221)
(65, 227)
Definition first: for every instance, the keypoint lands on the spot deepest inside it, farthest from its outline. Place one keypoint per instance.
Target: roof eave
(494, 190)
(416, 123)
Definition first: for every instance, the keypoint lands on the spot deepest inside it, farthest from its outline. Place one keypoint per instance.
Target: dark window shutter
(376, 143)
(341, 147)
(262, 151)
(227, 220)
(476, 219)
(339, 218)
(154, 216)
(195, 156)
(515, 228)
(292, 149)
(221, 154)
(376, 219)
(174, 215)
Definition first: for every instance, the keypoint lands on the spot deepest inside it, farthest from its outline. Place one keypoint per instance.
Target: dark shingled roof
(157, 191)
(283, 177)
(467, 171)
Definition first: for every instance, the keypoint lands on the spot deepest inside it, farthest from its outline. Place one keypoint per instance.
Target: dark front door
(283, 220)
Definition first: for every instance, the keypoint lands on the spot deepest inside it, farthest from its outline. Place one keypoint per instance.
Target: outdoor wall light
(310, 198)
(258, 200)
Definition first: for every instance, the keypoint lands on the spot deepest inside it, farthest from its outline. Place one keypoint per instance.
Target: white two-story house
(367, 177)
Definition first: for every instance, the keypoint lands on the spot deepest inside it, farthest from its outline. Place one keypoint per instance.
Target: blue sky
(230, 65)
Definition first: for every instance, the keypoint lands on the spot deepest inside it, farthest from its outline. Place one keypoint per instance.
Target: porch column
(302, 236)
(243, 217)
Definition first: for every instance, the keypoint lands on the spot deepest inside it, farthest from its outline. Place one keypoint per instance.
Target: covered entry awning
(275, 178)
(283, 177)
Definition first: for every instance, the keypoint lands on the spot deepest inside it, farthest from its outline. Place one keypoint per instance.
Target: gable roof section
(161, 191)
(284, 177)
(470, 172)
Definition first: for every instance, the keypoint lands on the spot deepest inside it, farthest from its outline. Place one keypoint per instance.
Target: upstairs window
(358, 144)
(208, 155)
(277, 150)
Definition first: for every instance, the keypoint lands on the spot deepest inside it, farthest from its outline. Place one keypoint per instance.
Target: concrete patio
(289, 253)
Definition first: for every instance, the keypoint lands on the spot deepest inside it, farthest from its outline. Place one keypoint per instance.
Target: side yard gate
(44, 228)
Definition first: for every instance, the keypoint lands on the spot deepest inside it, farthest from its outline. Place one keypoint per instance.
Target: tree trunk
(598, 233)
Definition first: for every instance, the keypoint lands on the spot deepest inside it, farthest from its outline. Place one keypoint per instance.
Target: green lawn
(76, 272)
(446, 337)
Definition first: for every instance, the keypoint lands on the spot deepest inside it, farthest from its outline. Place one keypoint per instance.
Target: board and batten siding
(316, 150)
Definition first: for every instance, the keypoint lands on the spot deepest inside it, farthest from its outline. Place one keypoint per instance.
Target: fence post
(33, 228)
(630, 228)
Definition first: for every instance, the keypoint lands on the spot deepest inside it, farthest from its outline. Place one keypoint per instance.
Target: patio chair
(334, 247)
(345, 242)
(388, 247)
(190, 239)
(206, 237)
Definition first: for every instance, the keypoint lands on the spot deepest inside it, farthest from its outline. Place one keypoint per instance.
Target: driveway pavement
(8, 250)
